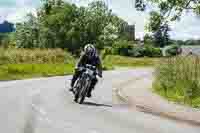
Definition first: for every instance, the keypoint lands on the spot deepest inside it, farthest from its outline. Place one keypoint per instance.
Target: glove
(79, 68)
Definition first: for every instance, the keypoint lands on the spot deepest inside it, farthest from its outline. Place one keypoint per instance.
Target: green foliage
(122, 47)
(146, 51)
(161, 36)
(106, 51)
(172, 50)
(28, 63)
(172, 10)
(59, 24)
(4, 39)
(155, 21)
(177, 79)
(137, 51)
(148, 39)
(151, 51)
(126, 48)
(169, 10)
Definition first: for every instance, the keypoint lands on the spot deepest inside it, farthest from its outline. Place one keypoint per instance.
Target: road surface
(44, 106)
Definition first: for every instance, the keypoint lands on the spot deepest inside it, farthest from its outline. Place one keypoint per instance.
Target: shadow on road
(96, 104)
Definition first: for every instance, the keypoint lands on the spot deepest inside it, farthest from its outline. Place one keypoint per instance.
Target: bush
(171, 50)
(125, 48)
(148, 51)
(151, 51)
(137, 52)
(106, 51)
(122, 47)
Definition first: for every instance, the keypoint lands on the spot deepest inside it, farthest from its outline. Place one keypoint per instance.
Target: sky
(187, 28)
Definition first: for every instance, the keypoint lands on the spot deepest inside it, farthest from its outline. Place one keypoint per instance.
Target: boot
(89, 93)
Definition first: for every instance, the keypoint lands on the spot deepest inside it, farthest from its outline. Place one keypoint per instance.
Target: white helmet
(90, 50)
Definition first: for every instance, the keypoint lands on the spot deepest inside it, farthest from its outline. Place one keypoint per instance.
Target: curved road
(44, 106)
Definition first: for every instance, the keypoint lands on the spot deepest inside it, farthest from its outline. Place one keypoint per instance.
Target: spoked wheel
(83, 95)
(77, 90)
(76, 97)
(84, 92)
(81, 90)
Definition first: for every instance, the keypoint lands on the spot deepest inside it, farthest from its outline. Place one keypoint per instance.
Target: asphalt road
(44, 106)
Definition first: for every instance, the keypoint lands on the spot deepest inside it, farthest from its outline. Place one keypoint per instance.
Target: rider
(89, 56)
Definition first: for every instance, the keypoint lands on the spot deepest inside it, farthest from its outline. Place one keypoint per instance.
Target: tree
(148, 39)
(59, 24)
(168, 11)
(161, 36)
(27, 33)
(172, 9)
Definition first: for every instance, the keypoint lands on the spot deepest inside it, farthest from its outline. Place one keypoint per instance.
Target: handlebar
(90, 67)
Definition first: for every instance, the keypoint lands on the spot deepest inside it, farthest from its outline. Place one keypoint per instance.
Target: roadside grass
(178, 80)
(29, 63)
(24, 71)
(112, 61)
(35, 56)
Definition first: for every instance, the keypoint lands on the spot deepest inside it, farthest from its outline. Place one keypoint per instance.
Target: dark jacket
(95, 61)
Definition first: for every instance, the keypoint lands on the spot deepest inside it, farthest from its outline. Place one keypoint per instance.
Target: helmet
(90, 50)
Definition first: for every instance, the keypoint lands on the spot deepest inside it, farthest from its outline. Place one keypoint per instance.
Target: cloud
(15, 14)
(16, 10)
(188, 27)
(20, 14)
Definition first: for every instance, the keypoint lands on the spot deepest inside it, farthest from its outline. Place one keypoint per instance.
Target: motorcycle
(83, 83)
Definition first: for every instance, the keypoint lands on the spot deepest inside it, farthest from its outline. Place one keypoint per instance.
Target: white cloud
(16, 13)
(187, 28)
(20, 14)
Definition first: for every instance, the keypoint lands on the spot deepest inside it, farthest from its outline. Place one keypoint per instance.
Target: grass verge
(112, 61)
(177, 79)
(29, 63)
(24, 71)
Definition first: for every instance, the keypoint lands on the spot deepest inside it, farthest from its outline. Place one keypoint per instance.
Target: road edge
(169, 115)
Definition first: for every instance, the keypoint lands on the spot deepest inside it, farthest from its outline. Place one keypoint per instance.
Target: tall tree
(27, 33)
(59, 24)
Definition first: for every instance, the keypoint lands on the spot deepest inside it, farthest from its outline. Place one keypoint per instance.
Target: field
(26, 63)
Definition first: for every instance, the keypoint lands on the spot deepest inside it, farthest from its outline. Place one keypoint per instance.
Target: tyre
(77, 89)
(76, 97)
(83, 95)
(84, 91)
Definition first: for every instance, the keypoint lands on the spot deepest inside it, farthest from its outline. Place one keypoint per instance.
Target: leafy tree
(27, 33)
(148, 39)
(167, 11)
(161, 36)
(172, 10)
(59, 24)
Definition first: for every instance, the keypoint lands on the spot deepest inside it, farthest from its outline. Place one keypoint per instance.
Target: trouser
(76, 76)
